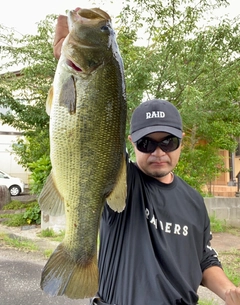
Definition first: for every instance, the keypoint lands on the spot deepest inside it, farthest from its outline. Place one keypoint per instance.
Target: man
(157, 251)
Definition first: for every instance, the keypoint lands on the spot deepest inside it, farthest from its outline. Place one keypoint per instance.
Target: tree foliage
(186, 57)
(193, 63)
(23, 92)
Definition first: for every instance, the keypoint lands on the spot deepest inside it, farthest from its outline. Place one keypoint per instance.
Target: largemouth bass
(87, 108)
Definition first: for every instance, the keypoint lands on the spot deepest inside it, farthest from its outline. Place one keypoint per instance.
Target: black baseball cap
(155, 116)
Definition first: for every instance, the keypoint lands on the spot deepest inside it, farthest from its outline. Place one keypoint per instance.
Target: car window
(2, 175)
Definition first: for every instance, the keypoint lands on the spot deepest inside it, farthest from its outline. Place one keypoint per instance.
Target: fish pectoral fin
(117, 198)
(50, 200)
(67, 95)
(49, 100)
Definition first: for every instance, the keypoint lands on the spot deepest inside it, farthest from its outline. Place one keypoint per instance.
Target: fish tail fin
(62, 275)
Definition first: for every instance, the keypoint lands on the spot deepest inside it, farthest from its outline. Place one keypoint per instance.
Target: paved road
(19, 280)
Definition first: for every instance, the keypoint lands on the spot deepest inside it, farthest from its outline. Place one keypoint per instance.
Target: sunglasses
(168, 144)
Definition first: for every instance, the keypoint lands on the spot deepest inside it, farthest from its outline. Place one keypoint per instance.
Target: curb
(29, 233)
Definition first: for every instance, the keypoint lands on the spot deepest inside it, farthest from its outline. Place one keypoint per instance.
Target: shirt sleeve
(210, 256)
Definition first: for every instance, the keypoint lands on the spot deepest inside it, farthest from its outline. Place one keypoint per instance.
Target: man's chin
(158, 174)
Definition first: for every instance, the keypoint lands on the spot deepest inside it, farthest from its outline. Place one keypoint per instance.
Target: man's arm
(215, 279)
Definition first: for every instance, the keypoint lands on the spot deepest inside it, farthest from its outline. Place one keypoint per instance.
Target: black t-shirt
(154, 252)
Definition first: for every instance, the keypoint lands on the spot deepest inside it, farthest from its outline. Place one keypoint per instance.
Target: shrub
(33, 215)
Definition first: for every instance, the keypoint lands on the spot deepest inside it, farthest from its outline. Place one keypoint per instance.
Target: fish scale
(87, 108)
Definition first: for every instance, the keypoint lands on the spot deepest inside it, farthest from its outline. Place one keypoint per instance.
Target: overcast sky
(24, 14)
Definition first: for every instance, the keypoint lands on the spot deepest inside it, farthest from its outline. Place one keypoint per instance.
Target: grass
(47, 253)
(19, 243)
(21, 213)
(233, 231)
(47, 233)
(231, 264)
(52, 235)
(218, 225)
(207, 302)
(13, 220)
(18, 205)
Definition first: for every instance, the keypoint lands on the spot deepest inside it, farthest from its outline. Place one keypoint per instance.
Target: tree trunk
(5, 197)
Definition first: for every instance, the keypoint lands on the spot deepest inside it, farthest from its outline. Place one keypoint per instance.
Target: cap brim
(145, 131)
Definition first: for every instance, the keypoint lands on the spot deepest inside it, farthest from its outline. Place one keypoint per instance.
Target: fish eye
(105, 28)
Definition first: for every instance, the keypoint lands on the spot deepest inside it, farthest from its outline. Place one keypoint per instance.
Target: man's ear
(130, 139)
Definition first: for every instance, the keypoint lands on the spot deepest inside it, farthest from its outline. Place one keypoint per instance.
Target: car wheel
(14, 190)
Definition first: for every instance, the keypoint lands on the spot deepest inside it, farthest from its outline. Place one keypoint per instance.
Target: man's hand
(233, 296)
(61, 31)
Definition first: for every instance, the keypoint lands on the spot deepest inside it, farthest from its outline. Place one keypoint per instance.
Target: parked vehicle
(15, 185)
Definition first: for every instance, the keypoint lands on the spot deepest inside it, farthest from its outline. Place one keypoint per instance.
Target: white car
(15, 185)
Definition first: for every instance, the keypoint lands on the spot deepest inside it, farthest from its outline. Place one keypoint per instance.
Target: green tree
(23, 93)
(194, 63)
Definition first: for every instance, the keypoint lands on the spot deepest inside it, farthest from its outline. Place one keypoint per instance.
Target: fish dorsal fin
(67, 95)
(49, 100)
(50, 200)
(117, 198)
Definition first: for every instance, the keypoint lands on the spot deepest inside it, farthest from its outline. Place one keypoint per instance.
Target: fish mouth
(73, 66)
(93, 13)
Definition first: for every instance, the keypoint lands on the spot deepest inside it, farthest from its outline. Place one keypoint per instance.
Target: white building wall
(8, 162)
